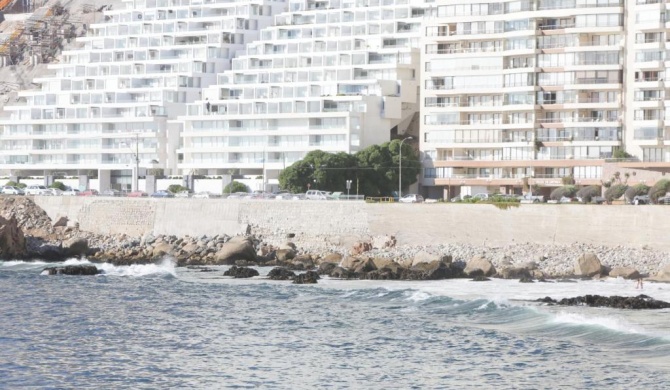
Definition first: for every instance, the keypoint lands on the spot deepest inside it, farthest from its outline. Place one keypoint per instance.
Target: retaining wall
(418, 224)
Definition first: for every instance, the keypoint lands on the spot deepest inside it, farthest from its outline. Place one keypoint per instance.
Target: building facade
(337, 75)
(523, 93)
(106, 110)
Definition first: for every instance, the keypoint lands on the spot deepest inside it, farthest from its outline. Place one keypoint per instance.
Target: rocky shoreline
(26, 232)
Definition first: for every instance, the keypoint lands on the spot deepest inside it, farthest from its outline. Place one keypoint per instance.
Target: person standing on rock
(639, 284)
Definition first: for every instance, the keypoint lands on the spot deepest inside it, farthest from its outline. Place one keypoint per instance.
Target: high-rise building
(537, 92)
(107, 109)
(334, 75)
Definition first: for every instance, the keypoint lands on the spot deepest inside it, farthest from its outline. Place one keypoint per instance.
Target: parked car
(137, 194)
(54, 192)
(238, 195)
(183, 194)
(316, 195)
(36, 190)
(532, 199)
(598, 199)
(162, 194)
(110, 192)
(205, 195)
(11, 190)
(460, 198)
(89, 193)
(482, 196)
(664, 199)
(411, 198)
(641, 199)
(71, 192)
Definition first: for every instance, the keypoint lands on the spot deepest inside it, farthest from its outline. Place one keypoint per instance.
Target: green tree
(15, 184)
(59, 185)
(176, 188)
(235, 186)
(659, 189)
(638, 189)
(587, 193)
(621, 154)
(615, 192)
(567, 191)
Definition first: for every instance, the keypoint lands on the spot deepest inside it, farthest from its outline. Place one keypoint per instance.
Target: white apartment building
(106, 108)
(334, 75)
(531, 91)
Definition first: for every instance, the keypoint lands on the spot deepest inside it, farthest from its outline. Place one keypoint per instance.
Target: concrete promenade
(415, 224)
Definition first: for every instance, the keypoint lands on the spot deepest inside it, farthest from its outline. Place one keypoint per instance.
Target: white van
(316, 195)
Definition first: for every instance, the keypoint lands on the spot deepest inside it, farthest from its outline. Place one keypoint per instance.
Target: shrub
(638, 189)
(15, 184)
(659, 189)
(615, 192)
(567, 191)
(176, 188)
(235, 186)
(587, 193)
(59, 185)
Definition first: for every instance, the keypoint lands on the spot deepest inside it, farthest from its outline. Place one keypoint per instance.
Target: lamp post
(348, 188)
(400, 169)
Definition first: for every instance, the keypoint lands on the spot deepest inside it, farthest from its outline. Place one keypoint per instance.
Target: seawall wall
(416, 224)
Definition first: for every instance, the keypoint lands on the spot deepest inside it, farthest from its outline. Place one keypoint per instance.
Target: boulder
(237, 248)
(436, 270)
(341, 273)
(365, 266)
(303, 260)
(360, 247)
(515, 273)
(83, 269)
(60, 221)
(190, 248)
(430, 257)
(75, 246)
(350, 262)
(383, 242)
(281, 273)
(479, 263)
(588, 264)
(663, 274)
(326, 268)
(12, 241)
(161, 249)
(331, 258)
(284, 254)
(309, 277)
(625, 272)
(240, 272)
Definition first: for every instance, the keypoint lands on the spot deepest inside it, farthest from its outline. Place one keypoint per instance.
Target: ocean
(161, 327)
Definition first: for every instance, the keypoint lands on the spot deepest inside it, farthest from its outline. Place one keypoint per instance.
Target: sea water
(159, 327)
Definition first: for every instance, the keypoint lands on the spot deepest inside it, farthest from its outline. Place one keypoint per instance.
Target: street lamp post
(348, 188)
(400, 169)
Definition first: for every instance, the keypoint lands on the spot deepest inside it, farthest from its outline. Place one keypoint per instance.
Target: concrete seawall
(417, 224)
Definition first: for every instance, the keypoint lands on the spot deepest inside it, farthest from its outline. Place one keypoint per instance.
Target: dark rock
(73, 270)
(341, 273)
(12, 240)
(326, 268)
(237, 248)
(435, 271)
(281, 273)
(637, 303)
(290, 235)
(514, 273)
(309, 277)
(240, 272)
(526, 280)
(480, 278)
(76, 246)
